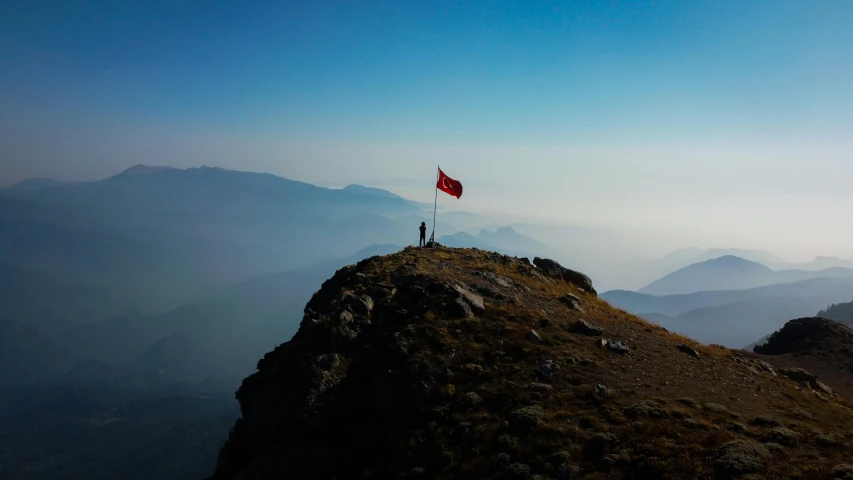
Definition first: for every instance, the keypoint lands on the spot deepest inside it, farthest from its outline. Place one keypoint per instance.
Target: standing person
(422, 241)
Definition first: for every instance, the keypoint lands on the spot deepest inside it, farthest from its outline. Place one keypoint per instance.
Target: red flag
(449, 185)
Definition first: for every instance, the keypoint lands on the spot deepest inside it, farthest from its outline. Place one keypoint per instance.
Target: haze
(699, 123)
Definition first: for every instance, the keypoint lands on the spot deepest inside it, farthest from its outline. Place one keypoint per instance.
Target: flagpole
(435, 207)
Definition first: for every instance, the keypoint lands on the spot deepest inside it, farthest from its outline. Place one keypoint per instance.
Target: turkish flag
(449, 185)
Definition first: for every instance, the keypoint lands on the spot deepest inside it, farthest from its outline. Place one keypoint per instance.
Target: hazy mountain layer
(732, 273)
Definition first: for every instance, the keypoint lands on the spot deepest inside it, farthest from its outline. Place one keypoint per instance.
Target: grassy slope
(665, 415)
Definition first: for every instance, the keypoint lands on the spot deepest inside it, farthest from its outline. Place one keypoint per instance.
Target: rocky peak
(806, 335)
(461, 363)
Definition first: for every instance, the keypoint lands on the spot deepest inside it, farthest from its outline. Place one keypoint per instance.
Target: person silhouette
(422, 241)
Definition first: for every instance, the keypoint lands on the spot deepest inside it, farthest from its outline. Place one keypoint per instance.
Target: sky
(728, 118)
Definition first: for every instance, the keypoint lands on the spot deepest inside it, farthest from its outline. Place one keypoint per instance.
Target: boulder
(573, 302)
(553, 269)
(690, 351)
(584, 327)
(614, 346)
(534, 337)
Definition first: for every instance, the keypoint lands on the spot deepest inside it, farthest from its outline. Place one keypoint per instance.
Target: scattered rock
(554, 269)
(614, 346)
(766, 367)
(686, 349)
(463, 308)
(573, 302)
(358, 304)
(600, 389)
(798, 375)
(739, 457)
(534, 337)
(547, 369)
(472, 299)
(823, 388)
(584, 327)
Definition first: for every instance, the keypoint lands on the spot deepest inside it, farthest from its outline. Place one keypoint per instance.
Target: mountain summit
(146, 170)
(722, 273)
(461, 363)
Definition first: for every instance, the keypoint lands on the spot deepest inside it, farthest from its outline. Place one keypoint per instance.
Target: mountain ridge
(733, 273)
(460, 363)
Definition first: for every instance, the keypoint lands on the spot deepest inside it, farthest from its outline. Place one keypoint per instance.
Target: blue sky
(639, 112)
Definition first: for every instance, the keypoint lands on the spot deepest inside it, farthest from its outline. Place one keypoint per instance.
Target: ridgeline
(439, 363)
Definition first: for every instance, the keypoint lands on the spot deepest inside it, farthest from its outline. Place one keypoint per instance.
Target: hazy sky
(729, 117)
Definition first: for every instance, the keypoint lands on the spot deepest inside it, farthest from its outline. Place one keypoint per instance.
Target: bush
(738, 458)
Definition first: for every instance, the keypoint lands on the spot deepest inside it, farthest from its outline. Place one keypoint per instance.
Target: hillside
(454, 363)
(26, 356)
(823, 347)
(841, 312)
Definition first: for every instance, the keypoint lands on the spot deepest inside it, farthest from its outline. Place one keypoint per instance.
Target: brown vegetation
(458, 363)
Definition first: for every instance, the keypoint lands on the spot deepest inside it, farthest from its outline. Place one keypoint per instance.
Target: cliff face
(455, 363)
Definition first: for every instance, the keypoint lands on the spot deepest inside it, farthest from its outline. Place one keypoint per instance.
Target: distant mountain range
(503, 239)
(162, 233)
(645, 271)
(733, 273)
(734, 317)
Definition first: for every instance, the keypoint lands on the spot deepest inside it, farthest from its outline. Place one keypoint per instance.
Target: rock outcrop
(805, 335)
(554, 269)
(814, 352)
(458, 364)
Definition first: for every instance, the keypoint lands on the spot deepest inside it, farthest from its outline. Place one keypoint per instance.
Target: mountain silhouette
(504, 239)
(733, 273)
(734, 317)
(722, 273)
(28, 357)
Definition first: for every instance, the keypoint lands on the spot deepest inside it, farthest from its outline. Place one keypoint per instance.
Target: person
(422, 241)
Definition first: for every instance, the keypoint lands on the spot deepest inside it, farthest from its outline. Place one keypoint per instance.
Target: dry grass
(661, 444)
(665, 414)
